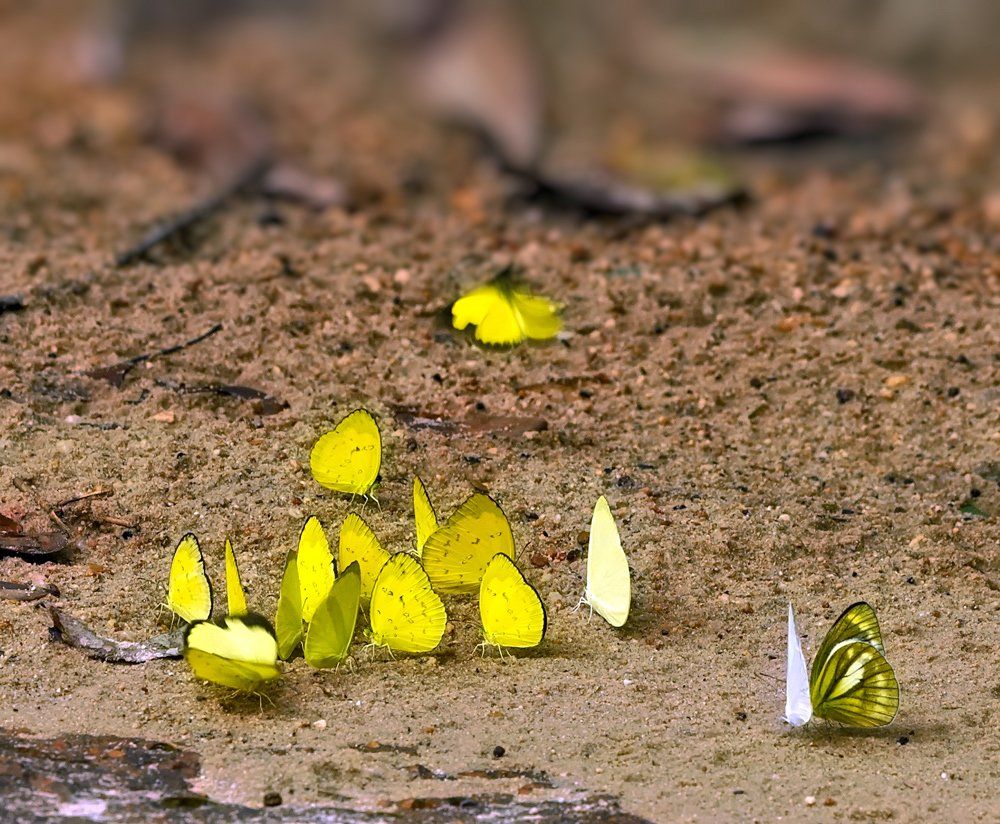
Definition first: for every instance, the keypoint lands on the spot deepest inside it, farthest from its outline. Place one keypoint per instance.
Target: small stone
(845, 395)
(499, 752)
(319, 724)
(784, 518)
(896, 381)
(164, 417)
(810, 800)
(402, 276)
(903, 739)
(272, 799)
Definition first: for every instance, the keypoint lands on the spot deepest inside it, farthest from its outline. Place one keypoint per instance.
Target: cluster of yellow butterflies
(472, 551)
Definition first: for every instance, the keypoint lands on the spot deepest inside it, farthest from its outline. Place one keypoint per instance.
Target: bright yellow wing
(236, 599)
(505, 315)
(510, 608)
(855, 686)
(856, 623)
(288, 619)
(406, 615)
(537, 316)
(239, 652)
(359, 544)
(423, 514)
(347, 459)
(315, 567)
(609, 583)
(455, 556)
(189, 592)
(332, 628)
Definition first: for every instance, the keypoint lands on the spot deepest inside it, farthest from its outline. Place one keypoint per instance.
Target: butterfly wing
(288, 619)
(347, 459)
(474, 306)
(855, 686)
(798, 705)
(856, 623)
(537, 316)
(189, 592)
(240, 652)
(406, 614)
(332, 629)
(236, 599)
(456, 554)
(510, 608)
(315, 567)
(423, 514)
(609, 583)
(358, 544)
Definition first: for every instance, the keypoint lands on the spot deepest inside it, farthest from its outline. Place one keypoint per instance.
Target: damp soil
(792, 400)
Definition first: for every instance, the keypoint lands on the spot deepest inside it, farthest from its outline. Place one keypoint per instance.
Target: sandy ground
(791, 402)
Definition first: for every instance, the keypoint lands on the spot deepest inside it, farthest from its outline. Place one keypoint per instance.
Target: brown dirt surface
(792, 401)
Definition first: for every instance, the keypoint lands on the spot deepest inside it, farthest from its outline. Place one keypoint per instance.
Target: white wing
(609, 586)
(798, 705)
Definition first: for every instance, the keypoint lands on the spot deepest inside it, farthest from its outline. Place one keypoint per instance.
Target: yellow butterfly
(510, 608)
(456, 554)
(236, 599)
(288, 619)
(189, 592)
(359, 544)
(315, 567)
(239, 652)
(405, 615)
(505, 314)
(347, 459)
(332, 628)
(423, 514)
(609, 583)
(851, 682)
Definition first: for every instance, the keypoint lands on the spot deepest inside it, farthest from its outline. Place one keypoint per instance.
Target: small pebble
(499, 752)
(272, 799)
(784, 517)
(810, 800)
(319, 724)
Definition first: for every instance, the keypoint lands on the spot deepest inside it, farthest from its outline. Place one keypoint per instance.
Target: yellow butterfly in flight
(510, 608)
(456, 554)
(288, 619)
(609, 583)
(189, 592)
(315, 567)
(851, 682)
(331, 630)
(236, 598)
(347, 459)
(423, 514)
(505, 314)
(359, 544)
(239, 652)
(406, 615)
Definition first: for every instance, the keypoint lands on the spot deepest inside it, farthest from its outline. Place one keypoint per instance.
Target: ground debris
(478, 423)
(11, 303)
(73, 632)
(13, 591)
(264, 404)
(115, 373)
(37, 546)
(110, 779)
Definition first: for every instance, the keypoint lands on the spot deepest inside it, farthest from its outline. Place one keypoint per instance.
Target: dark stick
(170, 229)
(115, 374)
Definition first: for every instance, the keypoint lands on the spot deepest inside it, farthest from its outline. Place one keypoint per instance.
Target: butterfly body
(189, 592)
(456, 554)
(347, 459)
(505, 314)
(609, 584)
(405, 614)
(510, 608)
(851, 681)
(239, 652)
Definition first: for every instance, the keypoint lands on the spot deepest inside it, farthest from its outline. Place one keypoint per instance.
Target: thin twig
(186, 220)
(86, 496)
(115, 374)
